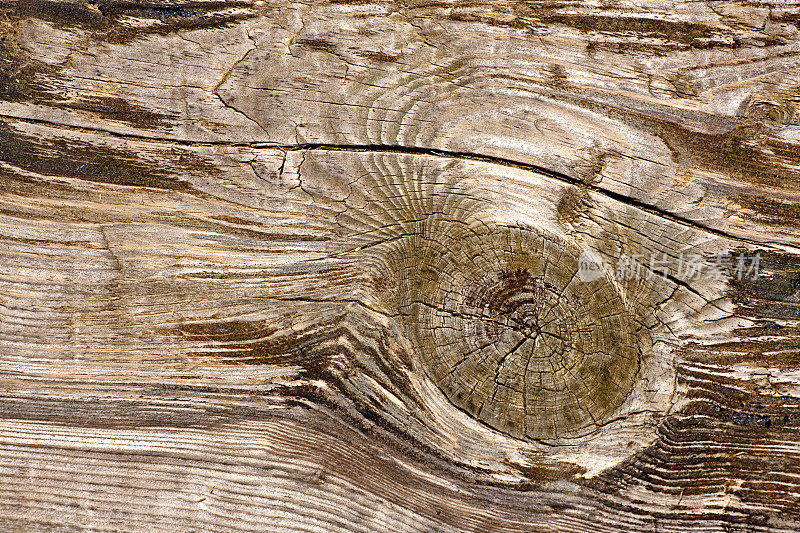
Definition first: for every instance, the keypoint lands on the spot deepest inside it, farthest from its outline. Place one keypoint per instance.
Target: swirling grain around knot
(488, 291)
(471, 268)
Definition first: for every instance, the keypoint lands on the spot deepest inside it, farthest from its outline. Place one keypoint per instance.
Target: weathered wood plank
(317, 267)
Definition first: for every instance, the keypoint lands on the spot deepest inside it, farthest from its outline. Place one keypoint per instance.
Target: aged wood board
(406, 266)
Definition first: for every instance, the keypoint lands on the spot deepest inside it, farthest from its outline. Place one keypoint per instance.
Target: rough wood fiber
(317, 266)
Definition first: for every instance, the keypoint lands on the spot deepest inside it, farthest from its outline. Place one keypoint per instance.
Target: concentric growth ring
(513, 335)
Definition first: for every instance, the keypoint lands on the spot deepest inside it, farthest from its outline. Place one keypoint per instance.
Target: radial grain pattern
(512, 334)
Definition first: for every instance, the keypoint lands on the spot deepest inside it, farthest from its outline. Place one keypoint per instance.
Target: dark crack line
(529, 167)
(435, 152)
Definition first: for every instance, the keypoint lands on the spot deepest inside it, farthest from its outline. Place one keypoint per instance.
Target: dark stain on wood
(687, 34)
(319, 45)
(774, 291)
(21, 78)
(379, 57)
(491, 18)
(766, 344)
(107, 107)
(764, 209)
(77, 159)
(105, 19)
(742, 152)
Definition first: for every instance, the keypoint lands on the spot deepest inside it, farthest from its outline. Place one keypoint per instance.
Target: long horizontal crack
(529, 167)
(437, 152)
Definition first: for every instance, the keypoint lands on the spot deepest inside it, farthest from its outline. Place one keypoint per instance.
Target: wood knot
(509, 331)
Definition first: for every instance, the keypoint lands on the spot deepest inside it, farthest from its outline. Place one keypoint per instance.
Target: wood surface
(287, 266)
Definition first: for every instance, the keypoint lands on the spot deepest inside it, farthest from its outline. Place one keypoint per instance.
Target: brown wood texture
(287, 266)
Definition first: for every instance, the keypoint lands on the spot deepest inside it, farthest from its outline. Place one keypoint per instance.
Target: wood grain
(277, 266)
